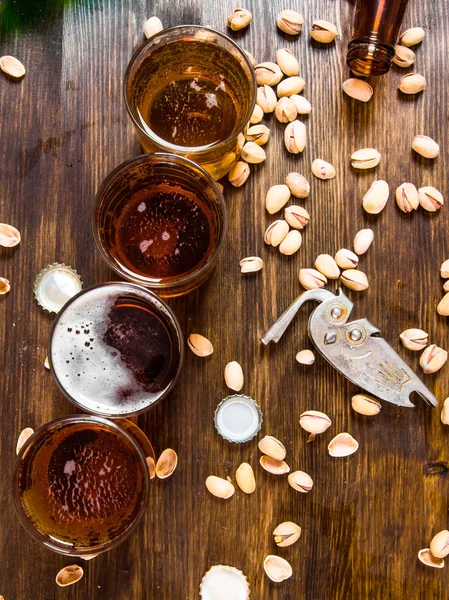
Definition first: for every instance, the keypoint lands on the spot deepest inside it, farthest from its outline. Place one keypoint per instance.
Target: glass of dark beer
(81, 483)
(116, 349)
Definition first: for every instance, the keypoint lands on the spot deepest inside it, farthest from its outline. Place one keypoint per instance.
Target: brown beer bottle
(376, 28)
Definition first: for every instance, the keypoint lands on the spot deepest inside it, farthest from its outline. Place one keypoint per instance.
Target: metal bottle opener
(356, 349)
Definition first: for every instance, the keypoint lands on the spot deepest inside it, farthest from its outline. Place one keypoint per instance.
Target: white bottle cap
(56, 284)
(238, 418)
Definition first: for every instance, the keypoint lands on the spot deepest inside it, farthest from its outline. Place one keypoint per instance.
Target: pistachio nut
(412, 83)
(151, 464)
(412, 36)
(300, 481)
(268, 73)
(403, 56)
(427, 558)
(221, 488)
(239, 173)
(342, 444)
(298, 184)
(287, 62)
(291, 243)
(322, 169)
(296, 216)
(259, 134)
(166, 463)
(432, 359)
(366, 158)
(152, 26)
(24, 435)
(444, 269)
(365, 405)
(5, 286)
(426, 146)
(314, 422)
(414, 339)
(290, 21)
(407, 197)
(346, 259)
(358, 89)
(276, 232)
(266, 98)
(271, 446)
(446, 286)
(311, 279)
(277, 197)
(251, 264)
(69, 575)
(277, 568)
(363, 240)
(305, 357)
(239, 19)
(303, 106)
(252, 153)
(376, 197)
(9, 236)
(443, 306)
(286, 534)
(439, 546)
(199, 345)
(251, 58)
(430, 198)
(240, 142)
(295, 137)
(285, 110)
(274, 466)
(290, 86)
(445, 412)
(12, 67)
(323, 31)
(257, 115)
(233, 375)
(326, 264)
(354, 280)
(245, 479)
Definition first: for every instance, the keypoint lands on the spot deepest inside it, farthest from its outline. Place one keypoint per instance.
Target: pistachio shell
(276, 232)
(277, 568)
(239, 19)
(403, 57)
(346, 259)
(296, 216)
(276, 198)
(445, 412)
(432, 359)
(12, 67)
(24, 435)
(363, 240)
(9, 236)
(298, 184)
(274, 466)
(412, 36)
(166, 463)
(323, 31)
(300, 481)
(251, 264)
(354, 280)
(151, 466)
(426, 557)
(358, 89)
(259, 134)
(233, 375)
(285, 110)
(5, 286)
(291, 243)
(199, 345)
(152, 26)
(286, 534)
(342, 445)
(69, 575)
(303, 106)
(365, 158)
(245, 478)
(290, 21)
(443, 306)
(305, 357)
(221, 488)
(311, 279)
(444, 269)
(414, 339)
(252, 153)
(268, 73)
(376, 197)
(407, 197)
(295, 137)
(314, 421)
(326, 264)
(257, 115)
(439, 546)
(290, 86)
(323, 169)
(412, 83)
(287, 62)
(271, 446)
(425, 146)
(239, 173)
(430, 198)
(266, 98)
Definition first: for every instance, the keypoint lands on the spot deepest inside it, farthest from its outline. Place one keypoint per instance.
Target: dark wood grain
(62, 129)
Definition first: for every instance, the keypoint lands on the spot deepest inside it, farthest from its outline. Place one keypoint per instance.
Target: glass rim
(59, 547)
(179, 337)
(160, 142)
(168, 282)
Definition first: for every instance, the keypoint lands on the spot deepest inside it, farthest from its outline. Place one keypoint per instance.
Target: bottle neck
(366, 57)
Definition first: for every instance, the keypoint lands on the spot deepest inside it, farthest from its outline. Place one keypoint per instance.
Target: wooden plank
(63, 128)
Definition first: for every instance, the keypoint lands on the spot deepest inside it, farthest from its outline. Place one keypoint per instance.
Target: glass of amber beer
(81, 483)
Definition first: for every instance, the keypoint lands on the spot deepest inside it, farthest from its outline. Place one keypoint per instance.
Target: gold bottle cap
(224, 582)
(56, 284)
(238, 418)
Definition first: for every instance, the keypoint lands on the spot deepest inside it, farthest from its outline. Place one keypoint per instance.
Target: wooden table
(62, 129)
